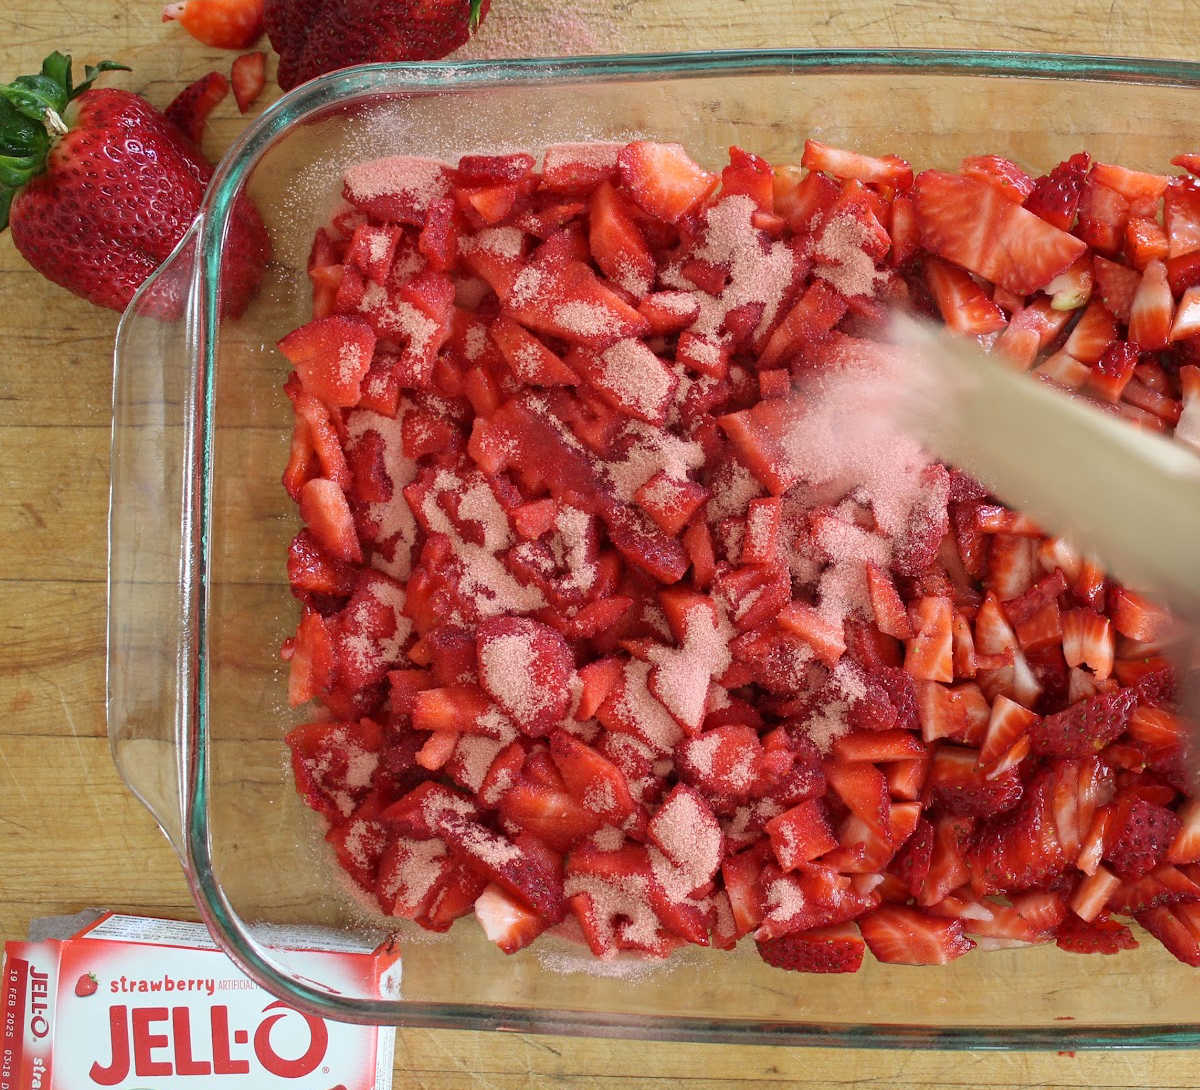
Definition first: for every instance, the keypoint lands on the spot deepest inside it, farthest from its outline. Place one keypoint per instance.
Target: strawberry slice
(800, 834)
(1177, 927)
(837, 949)
(324, 509)
(334, 762)
(630, 378)
(929, 655)
(1093, 333)
(1003, 173)
(1008, 725)
(1087, 639)
(663, 180)
(863, 788)
(1019, 849)
(906, 936)
(578, 168)
(529, 359)
(409, 871)
(972, 224)
(959, 785)
(190, 108)
(331, 356)
(1181, 216)
(1185, 848)
(591, 778)
(887, 170)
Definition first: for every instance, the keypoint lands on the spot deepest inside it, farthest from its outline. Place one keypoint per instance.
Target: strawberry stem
(31, 109)
(473, 21)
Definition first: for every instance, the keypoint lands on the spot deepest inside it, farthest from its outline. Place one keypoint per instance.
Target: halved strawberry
(663, 179)
(836, 949)
(972, 224)
(906, 936)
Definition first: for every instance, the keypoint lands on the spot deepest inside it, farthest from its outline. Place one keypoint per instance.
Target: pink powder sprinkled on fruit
(681, 675)
(841, 260)
(473, 755)
(419, 182)
(367, 653)
(589, 321)
(419, 863)
(507, 668)
(574, 534)
(596, 154)
(636, 377)
(392, 518)
(733, 487)
(474, 342)
(499, 241)
(651, 450)
(608, 838)
(653, 722)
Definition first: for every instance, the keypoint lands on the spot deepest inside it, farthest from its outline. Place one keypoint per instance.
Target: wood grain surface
(67, 824)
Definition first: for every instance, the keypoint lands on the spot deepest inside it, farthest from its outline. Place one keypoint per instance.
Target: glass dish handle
(150, 529)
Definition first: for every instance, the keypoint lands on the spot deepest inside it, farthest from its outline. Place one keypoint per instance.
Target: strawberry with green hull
(313, 37)
(99, 187)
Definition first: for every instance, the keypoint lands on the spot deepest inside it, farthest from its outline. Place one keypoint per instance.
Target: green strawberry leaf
(476, 10)
(57, 67)
(34, 95)
(19, 135)
(91, 71)
(6, 199)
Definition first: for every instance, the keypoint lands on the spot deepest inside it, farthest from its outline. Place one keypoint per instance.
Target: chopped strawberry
(1003, 173)
(963, 304)
(1101, 936)
(972, 224)
(1117, 285)
(1055, 196)
(905, 936)
(1139, 836)
(800, 834)
(507, 922)
(248, 76)
(331, 356)
(836, 949)
(959, 785)
(1181, 216)
(1152, 310)
(528, 357)
(888, 170)
(1083, 728)
(324, 509)
(663, 180)
(1177, 927)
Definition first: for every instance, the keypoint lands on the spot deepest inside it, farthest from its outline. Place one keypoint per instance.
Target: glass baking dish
(198, 598)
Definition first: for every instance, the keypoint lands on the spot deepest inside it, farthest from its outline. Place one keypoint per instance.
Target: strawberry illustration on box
(180, 1014)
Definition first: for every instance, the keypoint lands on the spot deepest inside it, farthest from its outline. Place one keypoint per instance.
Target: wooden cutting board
(72, 836)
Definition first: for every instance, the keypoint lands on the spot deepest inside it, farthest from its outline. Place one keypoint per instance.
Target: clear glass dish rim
(448, 76)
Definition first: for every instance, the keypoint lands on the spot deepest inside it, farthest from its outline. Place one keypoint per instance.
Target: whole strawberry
(97, 198)
(317, 36)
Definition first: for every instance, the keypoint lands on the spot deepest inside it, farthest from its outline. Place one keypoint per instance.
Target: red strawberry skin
(313, 37)
(119, 191)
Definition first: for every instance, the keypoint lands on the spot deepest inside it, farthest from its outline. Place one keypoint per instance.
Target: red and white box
(133, 1003)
